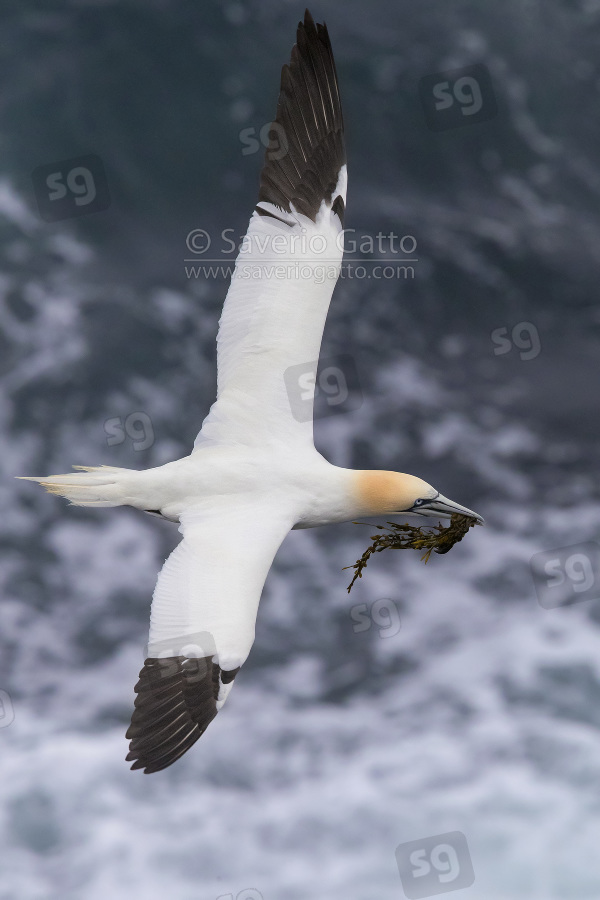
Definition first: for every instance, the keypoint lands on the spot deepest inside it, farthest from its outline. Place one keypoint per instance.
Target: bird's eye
(418, 502)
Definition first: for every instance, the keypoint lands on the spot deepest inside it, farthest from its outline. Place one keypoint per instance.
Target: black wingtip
(309, 118)
(308, 19)
(176, 702)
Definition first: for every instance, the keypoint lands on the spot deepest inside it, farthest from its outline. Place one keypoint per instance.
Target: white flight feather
(273, 319)
(211, 583)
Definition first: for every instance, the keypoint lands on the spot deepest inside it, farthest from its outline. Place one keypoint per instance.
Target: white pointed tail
(91, 486)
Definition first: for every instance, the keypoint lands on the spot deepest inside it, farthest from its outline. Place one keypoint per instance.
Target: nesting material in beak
(404, 537)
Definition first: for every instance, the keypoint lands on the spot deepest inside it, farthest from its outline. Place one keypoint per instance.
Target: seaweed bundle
(413, 537)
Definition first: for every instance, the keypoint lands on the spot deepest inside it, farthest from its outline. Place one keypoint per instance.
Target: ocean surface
(457, 696)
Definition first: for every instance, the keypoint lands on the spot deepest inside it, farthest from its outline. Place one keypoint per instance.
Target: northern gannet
(254, 472)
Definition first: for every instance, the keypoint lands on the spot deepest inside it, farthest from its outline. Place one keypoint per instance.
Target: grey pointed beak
(441, 506)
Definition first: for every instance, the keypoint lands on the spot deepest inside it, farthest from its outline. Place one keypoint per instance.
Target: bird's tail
(90, 486)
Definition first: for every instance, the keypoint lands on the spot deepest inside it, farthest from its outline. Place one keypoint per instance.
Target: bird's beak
(441, 506)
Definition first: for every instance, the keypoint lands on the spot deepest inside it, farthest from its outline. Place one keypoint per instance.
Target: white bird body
(254, 473)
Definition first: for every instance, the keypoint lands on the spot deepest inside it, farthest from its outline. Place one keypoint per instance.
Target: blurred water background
(464, 705)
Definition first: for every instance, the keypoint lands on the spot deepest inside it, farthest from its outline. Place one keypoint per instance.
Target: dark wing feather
(309, 113)
(176, 701)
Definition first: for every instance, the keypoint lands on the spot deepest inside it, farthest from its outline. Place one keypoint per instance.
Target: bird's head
(392, 493)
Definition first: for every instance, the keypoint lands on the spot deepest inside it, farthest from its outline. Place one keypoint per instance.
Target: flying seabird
(254, 473)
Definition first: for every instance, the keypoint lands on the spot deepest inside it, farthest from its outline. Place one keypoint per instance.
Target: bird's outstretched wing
(201, 627)
(273, 318)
